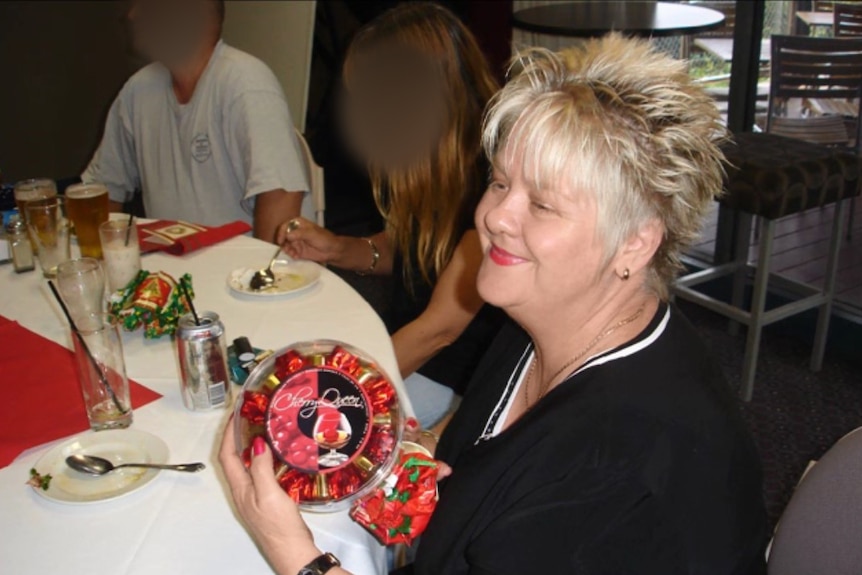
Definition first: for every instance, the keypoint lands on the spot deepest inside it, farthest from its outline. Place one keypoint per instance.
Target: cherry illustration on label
(318, 420)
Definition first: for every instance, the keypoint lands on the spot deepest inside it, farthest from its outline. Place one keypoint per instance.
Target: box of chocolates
(330, 415)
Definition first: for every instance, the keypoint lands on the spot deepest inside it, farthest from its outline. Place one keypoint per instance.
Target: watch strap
(320, 565)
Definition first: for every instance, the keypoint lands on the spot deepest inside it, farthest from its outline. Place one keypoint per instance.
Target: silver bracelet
(375, 257)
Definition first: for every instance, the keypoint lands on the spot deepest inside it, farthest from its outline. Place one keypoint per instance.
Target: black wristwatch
(320, 565)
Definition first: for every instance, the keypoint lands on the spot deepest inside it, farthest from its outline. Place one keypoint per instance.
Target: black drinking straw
(129, 228)
(83, 343)
(189, 301)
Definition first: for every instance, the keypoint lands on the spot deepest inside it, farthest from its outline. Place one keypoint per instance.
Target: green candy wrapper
(153, 301)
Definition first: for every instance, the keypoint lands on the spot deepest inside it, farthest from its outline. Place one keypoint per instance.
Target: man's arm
(264, 144)
(272, 208)
(114, 163)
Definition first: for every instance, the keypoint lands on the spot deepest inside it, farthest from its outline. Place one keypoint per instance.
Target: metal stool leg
(821, 334)
(740, 274)
(758, 305)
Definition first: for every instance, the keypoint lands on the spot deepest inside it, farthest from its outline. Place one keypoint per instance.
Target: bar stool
(772, 176)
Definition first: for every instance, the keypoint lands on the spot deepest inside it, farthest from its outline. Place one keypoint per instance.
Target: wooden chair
(847, 19)
(771, 176)
(822, 77)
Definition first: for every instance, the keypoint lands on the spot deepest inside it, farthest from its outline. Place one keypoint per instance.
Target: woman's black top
(638, 463)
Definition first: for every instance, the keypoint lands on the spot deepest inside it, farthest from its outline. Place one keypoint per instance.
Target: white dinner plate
(117, 446)
(291, 277)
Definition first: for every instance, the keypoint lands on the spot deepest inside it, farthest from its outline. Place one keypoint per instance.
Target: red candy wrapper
(331, 417)
(399, 509)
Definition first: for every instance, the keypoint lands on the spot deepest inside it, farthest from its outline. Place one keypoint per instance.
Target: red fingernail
(258, 446)
(412, 423)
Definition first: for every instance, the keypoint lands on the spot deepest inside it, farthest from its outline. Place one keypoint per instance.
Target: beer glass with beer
(27, 191)
(87, 207)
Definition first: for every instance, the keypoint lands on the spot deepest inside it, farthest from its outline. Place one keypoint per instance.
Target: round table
(598, 17)
(179, 523)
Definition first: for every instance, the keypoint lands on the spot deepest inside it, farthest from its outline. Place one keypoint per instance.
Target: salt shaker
(19, 245)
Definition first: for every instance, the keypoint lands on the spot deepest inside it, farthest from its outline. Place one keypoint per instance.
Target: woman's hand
(304, 240)
(414, 434)
(270, 515)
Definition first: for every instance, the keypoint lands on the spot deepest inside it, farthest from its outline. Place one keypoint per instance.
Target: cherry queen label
(318, 420)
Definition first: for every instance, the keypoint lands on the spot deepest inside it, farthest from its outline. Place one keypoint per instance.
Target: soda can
(204, 380)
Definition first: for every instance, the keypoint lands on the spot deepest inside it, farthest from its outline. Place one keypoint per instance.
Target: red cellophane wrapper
(399, 509)
(331, 417)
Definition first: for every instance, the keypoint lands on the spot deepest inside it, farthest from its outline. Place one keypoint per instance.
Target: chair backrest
(315, 179)
(820, 530)
(820, 76)
(847, 19)
(825, 130)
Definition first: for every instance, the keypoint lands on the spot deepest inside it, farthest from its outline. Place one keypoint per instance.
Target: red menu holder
(178, 238)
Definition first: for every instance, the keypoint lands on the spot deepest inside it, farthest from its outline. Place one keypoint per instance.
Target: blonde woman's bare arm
(454, 303)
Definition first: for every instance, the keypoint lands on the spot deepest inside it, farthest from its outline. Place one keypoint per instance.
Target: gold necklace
(602, 335)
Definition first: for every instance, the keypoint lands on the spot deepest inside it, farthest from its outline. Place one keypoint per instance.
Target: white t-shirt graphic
(206, 160)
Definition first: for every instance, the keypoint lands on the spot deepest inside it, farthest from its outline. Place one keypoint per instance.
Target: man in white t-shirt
(204, 131)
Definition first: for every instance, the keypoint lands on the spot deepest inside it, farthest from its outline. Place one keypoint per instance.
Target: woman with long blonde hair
(416, 85)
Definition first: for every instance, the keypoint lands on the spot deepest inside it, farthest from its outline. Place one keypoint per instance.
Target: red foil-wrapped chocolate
(331, 417)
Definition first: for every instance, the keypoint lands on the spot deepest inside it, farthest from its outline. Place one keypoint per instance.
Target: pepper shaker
(19, 245)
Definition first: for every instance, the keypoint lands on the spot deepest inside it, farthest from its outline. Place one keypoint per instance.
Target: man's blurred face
(168, 31)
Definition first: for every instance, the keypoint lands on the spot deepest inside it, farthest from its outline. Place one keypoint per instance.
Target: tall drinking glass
(33, 189)
(82, 285)
(87, 207)
(102, 372)
(121, 252)
(49, 231)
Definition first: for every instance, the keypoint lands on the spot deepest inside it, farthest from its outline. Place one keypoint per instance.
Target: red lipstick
(503, 258)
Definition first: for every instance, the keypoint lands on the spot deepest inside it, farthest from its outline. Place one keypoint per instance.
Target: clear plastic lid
(331, 416)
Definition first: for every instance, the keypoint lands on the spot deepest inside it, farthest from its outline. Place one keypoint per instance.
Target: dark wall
(62, 64)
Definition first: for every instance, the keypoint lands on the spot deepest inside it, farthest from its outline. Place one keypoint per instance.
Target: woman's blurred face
(541, 250)
(394, 106)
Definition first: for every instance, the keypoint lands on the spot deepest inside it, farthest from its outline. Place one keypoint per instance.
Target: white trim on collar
(501, 411)
(626, 351)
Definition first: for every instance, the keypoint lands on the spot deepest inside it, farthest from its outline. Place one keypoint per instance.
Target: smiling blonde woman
(598, 435)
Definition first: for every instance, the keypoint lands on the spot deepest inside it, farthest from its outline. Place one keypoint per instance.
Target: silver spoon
(93, 465)
(264, 278)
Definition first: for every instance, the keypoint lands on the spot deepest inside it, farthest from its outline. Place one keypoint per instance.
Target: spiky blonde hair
(623, 122)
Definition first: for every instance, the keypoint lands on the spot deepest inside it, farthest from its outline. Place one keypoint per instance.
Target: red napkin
(180, 238)
(41, 397)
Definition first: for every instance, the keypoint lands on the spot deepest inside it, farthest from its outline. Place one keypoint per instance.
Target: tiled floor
(800, 249)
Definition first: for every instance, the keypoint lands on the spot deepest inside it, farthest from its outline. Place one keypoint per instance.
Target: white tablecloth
(179, 523)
